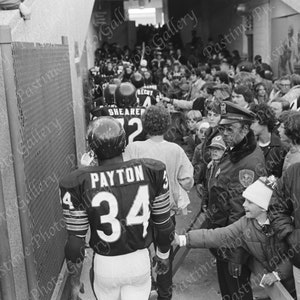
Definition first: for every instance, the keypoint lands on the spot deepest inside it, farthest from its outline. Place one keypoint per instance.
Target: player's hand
(87, 158)
(161, 265)
(234, 269)
(268, 279)
(75, 290)
(75, 284)
(176, 241)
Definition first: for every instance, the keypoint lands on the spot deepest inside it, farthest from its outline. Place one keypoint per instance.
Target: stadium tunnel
(45, 60)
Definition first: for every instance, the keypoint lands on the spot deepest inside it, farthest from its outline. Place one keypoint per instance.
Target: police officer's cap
(232, 113)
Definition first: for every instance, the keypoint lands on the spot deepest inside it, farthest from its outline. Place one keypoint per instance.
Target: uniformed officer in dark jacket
(243, 163)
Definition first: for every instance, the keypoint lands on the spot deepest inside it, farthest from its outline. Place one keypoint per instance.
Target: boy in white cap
(254, 234)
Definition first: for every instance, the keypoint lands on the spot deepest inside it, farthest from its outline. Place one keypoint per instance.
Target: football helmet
(125, 95)
(109, 93)
(148, 78)
(137, 80)
(106, 137)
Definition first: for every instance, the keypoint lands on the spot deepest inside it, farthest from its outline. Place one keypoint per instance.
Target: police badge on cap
(223, 108)
(232, 113)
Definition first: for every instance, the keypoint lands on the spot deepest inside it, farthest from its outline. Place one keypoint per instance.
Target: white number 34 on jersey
(140, 203)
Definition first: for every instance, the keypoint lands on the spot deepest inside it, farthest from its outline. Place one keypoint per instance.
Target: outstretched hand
(176, 241)
(76, 285)
(268, 279)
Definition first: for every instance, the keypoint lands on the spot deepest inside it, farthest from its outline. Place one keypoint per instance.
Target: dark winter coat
(274, 154)
(259, 241)
(238, 168)
(284, 210)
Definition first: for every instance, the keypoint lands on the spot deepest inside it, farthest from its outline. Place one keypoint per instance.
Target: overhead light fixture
(241, 9)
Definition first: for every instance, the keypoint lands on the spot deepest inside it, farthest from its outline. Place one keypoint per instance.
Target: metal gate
(44, 95)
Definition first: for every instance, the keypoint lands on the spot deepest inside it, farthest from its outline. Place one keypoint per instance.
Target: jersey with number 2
(117, 203)
(130, 118)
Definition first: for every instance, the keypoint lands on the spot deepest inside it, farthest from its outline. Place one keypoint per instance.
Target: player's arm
(163, 225)
(77, 224)
(160, 214)
(76, 220)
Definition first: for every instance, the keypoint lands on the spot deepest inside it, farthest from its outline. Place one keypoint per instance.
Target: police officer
(241, 164)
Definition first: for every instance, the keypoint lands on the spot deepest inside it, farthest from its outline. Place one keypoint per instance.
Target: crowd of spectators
(237, 124)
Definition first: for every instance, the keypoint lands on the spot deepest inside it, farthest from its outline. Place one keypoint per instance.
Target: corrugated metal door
(48, 138)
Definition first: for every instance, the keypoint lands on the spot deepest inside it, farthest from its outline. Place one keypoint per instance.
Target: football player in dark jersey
(124, 110)
(109, 94)
(107, 101)
(128, 113)
(149, 80)
(145, 96)
(137, 79)
(125, 99)
(118, 200)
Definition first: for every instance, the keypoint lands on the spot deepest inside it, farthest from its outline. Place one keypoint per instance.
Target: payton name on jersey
(117, 177)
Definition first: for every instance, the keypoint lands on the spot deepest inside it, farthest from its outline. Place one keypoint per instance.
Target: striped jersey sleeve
(74, 212)
(160, 214)
(161, 208)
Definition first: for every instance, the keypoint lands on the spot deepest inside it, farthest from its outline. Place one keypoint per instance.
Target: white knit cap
(259, 193)
(203, 124)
